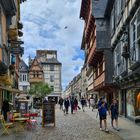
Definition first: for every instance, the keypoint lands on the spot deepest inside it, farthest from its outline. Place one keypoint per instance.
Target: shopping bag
(79, 107)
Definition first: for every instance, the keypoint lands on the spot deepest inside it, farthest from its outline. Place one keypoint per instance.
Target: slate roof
(51, 61)
(23, 67)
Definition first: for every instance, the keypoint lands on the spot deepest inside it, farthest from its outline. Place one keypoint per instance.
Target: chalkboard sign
(48, 114)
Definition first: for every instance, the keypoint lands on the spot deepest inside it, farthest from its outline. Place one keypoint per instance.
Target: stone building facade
(97, 46)
(52, 70)
(125, 39)
(10, 32)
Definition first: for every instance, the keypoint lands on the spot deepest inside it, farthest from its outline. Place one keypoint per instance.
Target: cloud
(44, 28)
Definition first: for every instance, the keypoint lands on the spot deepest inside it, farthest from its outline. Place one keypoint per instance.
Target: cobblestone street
(78, 126)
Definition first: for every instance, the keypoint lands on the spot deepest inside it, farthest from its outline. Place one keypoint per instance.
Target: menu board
(48, 114)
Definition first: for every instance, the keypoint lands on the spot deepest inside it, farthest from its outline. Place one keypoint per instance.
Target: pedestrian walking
(102, 108)
(114, 114)
(5, 109)
(66, 104)
(61, 102)
(89, 102)
(75, 104)
(72, 104)
(83, 103)
(92, 102)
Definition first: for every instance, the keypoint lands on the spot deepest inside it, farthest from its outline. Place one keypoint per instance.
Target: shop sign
(17, 50)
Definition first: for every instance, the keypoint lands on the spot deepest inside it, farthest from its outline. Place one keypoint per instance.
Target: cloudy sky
(54, 24)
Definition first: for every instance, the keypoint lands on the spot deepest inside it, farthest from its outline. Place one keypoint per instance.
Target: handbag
(79, 107)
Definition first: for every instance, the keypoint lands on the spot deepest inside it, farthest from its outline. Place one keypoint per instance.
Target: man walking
(72, 104)
(67, 104)
(83, 103)
(61, 103)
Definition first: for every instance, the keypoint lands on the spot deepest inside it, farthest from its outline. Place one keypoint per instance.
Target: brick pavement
(128, 129)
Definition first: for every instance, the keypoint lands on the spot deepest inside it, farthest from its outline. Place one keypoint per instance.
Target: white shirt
(92, 101)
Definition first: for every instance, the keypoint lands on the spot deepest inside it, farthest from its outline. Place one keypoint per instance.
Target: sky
(54, 25)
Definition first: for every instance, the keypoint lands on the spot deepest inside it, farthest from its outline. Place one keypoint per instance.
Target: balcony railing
(100, 79)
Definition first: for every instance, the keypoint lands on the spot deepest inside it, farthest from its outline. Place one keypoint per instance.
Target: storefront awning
(13, 90)
(54, 95)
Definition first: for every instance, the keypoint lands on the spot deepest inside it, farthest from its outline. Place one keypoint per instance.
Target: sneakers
(101, 129)
(117, 129)
(106, 130)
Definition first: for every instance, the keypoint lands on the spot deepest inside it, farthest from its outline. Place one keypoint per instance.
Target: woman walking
(75, 104)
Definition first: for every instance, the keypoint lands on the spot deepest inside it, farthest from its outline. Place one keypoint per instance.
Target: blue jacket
(83, 101)
(102, 109)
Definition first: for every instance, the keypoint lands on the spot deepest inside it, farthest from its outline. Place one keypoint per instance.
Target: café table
(19, 122)
(31, 123)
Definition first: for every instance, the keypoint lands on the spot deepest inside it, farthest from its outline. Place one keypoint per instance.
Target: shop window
(130, 103)
(138, 103)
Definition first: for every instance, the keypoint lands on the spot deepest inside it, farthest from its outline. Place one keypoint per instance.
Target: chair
(32, 123)
(5, 125)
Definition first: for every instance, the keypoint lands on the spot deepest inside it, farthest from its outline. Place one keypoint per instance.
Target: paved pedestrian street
(77, 126)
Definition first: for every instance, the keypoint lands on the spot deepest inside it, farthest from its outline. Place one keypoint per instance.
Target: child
(102, 108)
(114, 113)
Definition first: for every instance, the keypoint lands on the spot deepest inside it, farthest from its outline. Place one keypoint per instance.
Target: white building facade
(23, 83)
(52, 71)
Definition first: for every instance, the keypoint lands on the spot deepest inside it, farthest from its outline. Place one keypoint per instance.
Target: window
(24, 88)
(37, 74)
(20, 78)
(52, 87)
(24, 77)
(133, 41)
(51, 67)
(34, 74)
(52, 78)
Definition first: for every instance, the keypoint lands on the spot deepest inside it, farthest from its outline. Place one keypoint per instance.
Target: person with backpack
(114, 114)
